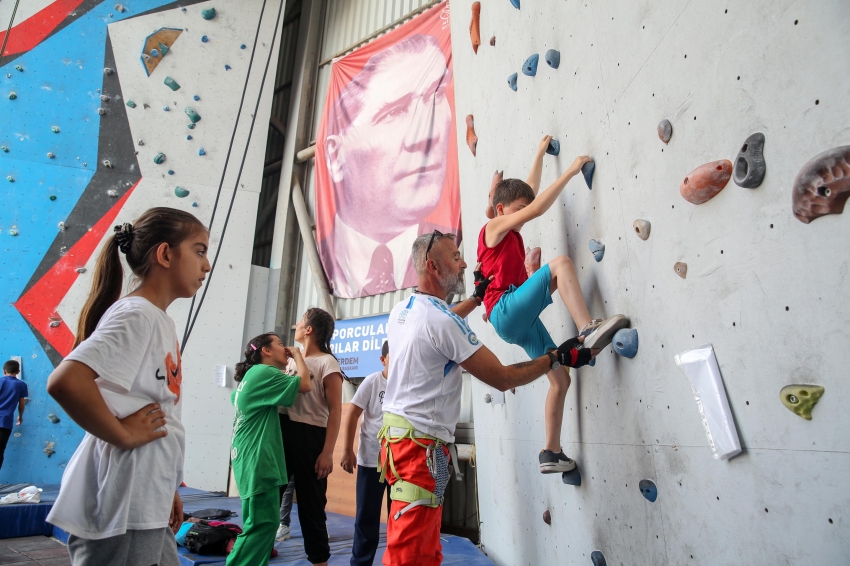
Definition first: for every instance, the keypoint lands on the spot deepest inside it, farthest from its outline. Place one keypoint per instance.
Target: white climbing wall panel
(768, 291)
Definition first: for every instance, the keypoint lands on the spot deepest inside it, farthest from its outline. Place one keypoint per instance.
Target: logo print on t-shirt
(173, 373)
(381, 395)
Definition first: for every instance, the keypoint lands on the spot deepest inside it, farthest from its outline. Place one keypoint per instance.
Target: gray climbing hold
(171, 83)
(19, 68)
(512, 81)
(587, 170)
(107, 163)
(553, 58)
(598, 249)
(170, 172)
(54, 324)
(181, 192)
(112, 193)
(573, 477)
(196, 97)
(146, 57)
(208, 13)
(12, 95)
(146, 105)
(163, 49)
(80, 270)
(227, 67)
(665, 131)
(101, 111)
(104, 98)
(202, 152)
(598, 558)
(529, 68)
(54, 129)
(53, 418)
(191, 125)
(159, 158)
(194, 116)
(48, 449)
(515, 4)
(749, 165)
(554, 147)
(642, 228)
(204, 39)
(107, 71)
(154, 53)
(140, 141)
(625, 342)
(648, 490)
(13, 231)
(119, 8)
(681, 269)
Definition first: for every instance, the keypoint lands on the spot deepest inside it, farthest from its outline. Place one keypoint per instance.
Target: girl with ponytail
(258, 462)
(122, 385)
(310, 430)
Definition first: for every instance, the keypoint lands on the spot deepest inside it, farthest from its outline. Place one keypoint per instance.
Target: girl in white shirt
(122, 385)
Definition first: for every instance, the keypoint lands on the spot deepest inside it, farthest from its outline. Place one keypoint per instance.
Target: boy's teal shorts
(516, 317)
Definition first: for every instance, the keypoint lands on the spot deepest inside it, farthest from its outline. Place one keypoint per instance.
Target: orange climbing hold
(474, 27)
(471, 138)
(704, 182)
(532, 260)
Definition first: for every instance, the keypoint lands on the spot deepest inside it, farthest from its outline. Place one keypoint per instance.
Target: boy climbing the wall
(13, 393)
(514, 300)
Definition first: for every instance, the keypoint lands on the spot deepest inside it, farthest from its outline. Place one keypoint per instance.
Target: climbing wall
(764, 288)
(108, 110)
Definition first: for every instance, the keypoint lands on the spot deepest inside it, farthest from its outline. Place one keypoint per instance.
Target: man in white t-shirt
(368, 401)
(431, 342)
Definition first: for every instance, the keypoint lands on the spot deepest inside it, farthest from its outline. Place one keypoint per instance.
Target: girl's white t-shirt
(107, 491)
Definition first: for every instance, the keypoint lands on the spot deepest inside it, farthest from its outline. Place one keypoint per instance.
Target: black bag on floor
(212, 514)
(206, 539)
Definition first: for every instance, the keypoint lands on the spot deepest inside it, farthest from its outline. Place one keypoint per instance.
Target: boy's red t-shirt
(505, 262)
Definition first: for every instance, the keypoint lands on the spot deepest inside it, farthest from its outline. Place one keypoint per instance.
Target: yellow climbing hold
(801, 399)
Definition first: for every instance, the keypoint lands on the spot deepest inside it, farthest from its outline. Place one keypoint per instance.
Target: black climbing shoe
(551, 463)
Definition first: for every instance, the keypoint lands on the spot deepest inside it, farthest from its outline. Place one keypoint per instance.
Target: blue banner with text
(357, 343)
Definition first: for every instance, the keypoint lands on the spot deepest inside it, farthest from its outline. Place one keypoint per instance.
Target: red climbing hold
(704, 182)
(471, 138)
(474, 31)
(822, 185)
(532, 260)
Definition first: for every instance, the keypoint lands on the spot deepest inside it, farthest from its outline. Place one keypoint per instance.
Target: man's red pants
(413, 539)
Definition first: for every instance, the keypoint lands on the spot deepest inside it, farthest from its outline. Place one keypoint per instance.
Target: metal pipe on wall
(306, 227)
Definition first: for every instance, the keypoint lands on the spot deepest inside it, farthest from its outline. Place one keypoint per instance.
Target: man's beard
(452, 283)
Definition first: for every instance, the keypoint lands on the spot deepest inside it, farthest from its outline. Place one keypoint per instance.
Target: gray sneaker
(552, 463)
(282, 533)
(598, 333)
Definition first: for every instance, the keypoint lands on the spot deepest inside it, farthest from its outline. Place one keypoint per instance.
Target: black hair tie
(124, 237)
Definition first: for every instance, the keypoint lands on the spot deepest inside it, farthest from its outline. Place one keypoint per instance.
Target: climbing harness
(395, 430)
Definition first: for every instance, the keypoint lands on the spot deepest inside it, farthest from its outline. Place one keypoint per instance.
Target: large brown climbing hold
(704, 182)
(822, 185)
(547, 517)
(490, 212)
(471, 138)
(474, 29)
(665, 131)
(532, 260)
(681, 269)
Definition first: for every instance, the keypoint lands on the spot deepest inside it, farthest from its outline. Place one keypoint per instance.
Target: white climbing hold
(61, 226)
(107, 71)
(101, 111)
(107, 163)
(140, 142)
(119, 8)
(112, 193)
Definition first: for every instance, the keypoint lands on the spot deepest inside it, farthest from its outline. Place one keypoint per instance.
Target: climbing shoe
(598, 333)
(552, 463)
(282, 533)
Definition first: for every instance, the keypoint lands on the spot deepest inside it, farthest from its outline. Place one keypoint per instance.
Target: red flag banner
(386, 156)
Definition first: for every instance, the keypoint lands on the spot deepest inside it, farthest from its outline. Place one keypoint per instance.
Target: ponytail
(253, 354)
(138, 242)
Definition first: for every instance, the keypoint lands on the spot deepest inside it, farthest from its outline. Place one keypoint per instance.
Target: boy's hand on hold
(324, 465)
(579, 162)
(176, 519)
(144, 426)
(570, 355)
(544, 144)
(481, 283)
(349, 461)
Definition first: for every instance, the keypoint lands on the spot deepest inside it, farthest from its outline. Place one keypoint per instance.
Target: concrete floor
(33, 550)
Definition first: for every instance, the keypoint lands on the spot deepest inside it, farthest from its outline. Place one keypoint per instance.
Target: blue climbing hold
(202, 152)
(625, 343)
(515, 4)
(592, 362)
(598, 250)
(208, 13)
(194, 205)
(242, 46)
(188, 137)
(159, 158)
(191, 125)
(530, 66)
(598, 558)
(154, 53)
(587, 170)
(204, 39)
(180, 192)
(196, 97)
(170, 172)
(194, 116)
(163, 48)
(227, 67)
(554, 147)
(512, 81)
(553, 58)
(165, 108)
(648, 490)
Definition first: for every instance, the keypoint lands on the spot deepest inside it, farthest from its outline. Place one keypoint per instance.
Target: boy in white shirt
(368, 401)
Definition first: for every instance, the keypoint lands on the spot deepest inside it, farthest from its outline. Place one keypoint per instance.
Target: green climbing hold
(171, 83)
(163, 49)
(54, 129)
(52, 197)
(191, 126)
(159, 158)
(12, 95)
(194, 116)
(53, 418)
(4, 149)
(801, 399)
(208, 13)
(13, 231)
(19, 68)
(131, 104)
(181, 192)
(10, 178)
